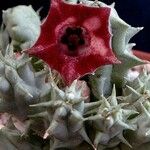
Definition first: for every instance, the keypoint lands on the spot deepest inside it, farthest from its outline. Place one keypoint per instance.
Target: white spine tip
(113, 5)
(140, 28)
(45, 135)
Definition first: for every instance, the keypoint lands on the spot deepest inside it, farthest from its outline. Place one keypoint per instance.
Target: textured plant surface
(42, 109)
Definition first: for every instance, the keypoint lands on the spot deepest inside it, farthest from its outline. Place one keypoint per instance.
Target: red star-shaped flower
(75, 39)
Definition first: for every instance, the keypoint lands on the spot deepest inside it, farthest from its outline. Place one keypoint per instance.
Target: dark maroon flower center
(73, 37)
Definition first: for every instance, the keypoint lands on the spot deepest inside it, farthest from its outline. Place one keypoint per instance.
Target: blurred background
(136, 13)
